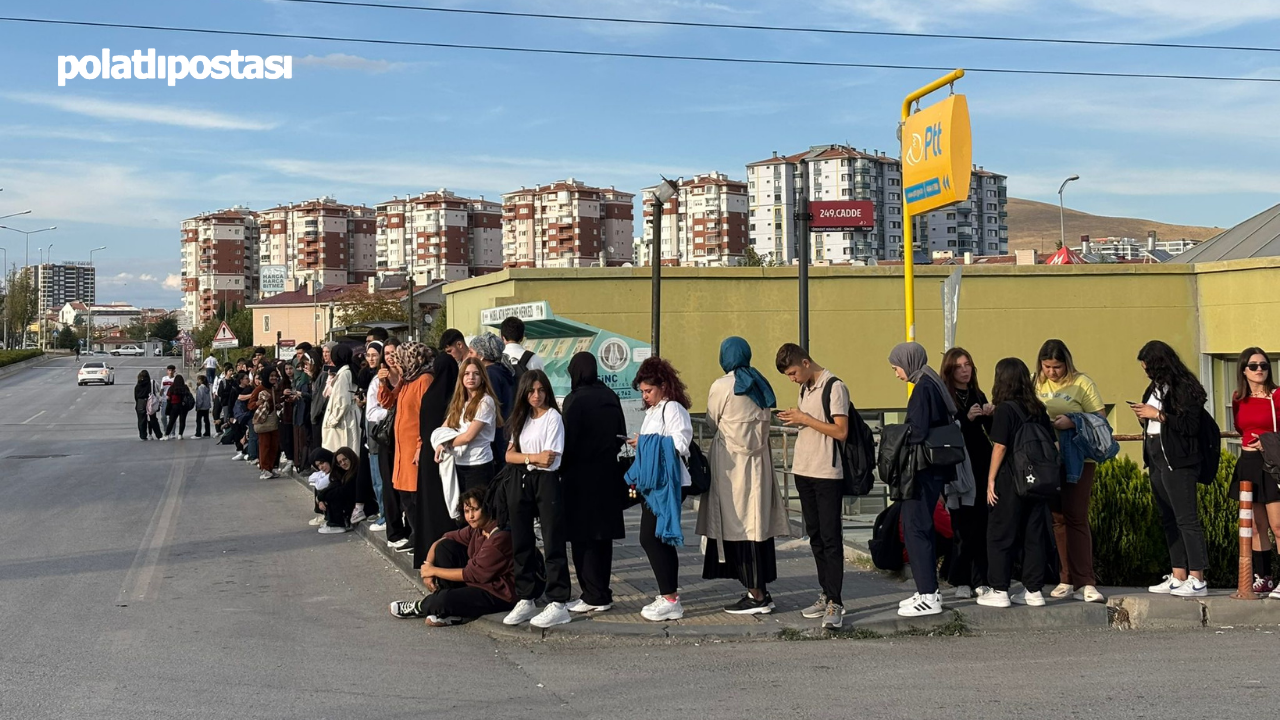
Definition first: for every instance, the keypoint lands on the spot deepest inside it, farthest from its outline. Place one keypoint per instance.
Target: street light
(88, 329)
(1062, 223)
(28, 234)
(661, 194)
(4, 342)
(24, 212)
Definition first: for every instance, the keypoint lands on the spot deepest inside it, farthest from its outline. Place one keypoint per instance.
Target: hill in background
(1034, 225)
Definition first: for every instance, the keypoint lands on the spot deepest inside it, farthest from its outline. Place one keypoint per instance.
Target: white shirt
(480, 450)
(515, 351)
(671, 419)
(1153, 426)
(373, 410)
(165, 382)
(544, 433)
(211, 363)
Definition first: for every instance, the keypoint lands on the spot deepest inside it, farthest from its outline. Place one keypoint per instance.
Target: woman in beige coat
(742, 512)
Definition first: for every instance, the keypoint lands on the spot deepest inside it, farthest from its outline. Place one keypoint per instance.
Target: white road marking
(33, 417)
(138, 583)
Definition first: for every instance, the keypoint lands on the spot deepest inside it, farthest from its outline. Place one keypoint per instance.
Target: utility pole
(802, 226)
(664, 192)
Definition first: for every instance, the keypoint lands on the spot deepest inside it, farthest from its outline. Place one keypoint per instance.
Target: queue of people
(466, 460)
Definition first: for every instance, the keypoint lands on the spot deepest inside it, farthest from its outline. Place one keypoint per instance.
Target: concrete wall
(1104, 313)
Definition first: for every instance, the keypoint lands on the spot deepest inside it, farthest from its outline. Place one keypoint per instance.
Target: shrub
(1128, 541)
(9, 357)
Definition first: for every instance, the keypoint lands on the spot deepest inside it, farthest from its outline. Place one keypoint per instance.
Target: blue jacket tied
(656, 474)
(1090, 439)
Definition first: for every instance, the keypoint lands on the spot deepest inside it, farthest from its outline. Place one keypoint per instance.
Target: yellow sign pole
(908, 249)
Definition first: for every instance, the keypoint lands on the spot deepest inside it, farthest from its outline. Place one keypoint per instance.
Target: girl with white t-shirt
(473, 412)
(537, 441)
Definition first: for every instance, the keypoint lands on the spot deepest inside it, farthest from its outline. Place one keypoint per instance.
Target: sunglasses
(1258, 366)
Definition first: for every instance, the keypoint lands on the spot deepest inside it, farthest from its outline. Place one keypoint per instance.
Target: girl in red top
(1254, 408)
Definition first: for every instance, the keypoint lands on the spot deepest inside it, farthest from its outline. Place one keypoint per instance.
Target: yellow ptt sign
(937, 156)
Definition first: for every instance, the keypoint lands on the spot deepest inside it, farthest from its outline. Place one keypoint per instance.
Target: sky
(120, 163)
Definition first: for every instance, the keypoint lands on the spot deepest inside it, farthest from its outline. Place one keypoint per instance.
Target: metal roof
(1259, 236)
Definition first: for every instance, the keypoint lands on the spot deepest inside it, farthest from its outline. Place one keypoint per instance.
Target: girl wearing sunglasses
(1253, 407)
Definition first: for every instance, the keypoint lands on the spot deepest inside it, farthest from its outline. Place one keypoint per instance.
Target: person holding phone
(537, 441)
(1254, 411)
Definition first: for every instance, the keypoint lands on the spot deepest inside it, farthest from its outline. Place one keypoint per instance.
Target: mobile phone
(1132, 403)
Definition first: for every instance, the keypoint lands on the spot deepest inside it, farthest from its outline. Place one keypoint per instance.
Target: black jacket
(927, 409)
(976, 435)
(141, 393)
(504, 387)
(897, 462)
(1179, 435)
(592, 475)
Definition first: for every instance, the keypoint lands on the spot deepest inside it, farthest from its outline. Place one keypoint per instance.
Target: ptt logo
(923, 148)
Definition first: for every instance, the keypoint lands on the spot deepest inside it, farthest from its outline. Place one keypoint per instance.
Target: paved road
(142, 580)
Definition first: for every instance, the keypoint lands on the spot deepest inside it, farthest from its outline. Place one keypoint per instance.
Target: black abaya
(592, 475)
(434, 517)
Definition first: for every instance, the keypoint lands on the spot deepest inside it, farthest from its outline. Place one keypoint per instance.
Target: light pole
(88, 330)
(4, 342)
(28, 234)
(661, 194)
(24, 212)
(1062, 222)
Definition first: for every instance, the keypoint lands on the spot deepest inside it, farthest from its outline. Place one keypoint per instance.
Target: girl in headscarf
(406, 398)
(742, 512)
(435, 518)
(342, 414)
(930, 406)
(594, 430)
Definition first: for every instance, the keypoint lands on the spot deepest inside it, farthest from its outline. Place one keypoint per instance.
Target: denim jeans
(375, 473)
(251, 443)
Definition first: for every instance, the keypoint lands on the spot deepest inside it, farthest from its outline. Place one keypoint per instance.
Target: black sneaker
(406, 609)
(750, 606)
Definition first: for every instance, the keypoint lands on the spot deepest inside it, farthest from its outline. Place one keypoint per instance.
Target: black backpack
(518, 367)
(699, 471)
(1210, 437)
(857, 454)
(886, 544)
(1037, 464)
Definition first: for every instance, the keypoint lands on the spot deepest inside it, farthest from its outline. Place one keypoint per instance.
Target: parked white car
(129, 350)
(98, 372)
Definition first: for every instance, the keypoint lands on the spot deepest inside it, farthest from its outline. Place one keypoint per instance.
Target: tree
(68, 338)
(21, 304)
(166, 329)
(241, 323)
(136, 330)
(358, 307)
(431, 338)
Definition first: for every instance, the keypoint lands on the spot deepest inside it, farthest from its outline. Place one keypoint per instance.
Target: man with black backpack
(514, 355)
(819, 471)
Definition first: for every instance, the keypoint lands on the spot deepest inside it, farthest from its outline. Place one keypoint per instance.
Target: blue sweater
(656, 474)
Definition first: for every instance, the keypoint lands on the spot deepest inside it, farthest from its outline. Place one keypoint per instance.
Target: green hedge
(1128, 542)
(9, 357)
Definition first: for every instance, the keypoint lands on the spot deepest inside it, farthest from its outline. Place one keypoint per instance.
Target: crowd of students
(464, 458)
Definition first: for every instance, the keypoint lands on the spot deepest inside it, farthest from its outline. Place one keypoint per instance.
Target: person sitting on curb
(335, 487)
(470, 572)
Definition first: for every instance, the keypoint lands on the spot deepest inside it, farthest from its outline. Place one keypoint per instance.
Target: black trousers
(148, 423)
(821, 502)
(455, 599)
(1175, 492)
(409, 505)
(1015, 519)
(202, 421)
(969, 523)
(917, 532)
(338, 514)
(539, 494)
(663, 558)
(470, 476)
(392, 510)
(593, 563)
(178, 417)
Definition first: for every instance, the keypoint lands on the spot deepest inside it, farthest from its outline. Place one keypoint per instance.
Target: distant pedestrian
(266, 425)
(660, 473)
(1170, 414)
(743, 510)
(822, 416)
(143, 391)
(169, 373)
(204, 402)
(179, 402)
(210, 367)
(929, 407)
(515, 356)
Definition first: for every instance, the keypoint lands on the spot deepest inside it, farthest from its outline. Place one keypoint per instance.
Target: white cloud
(343, 61)
(172, 282)
(919, 15)
(1168, 18)
(52, 133)
(147, 277)
(187, 117)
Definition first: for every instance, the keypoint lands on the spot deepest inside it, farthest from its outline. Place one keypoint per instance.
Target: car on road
(98, 372)
(129, 350)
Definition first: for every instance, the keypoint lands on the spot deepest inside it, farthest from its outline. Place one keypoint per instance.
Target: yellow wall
(1238, 303)
(1104, 313)
(297, 323)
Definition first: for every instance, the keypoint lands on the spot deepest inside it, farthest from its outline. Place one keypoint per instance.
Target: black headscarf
(593, 420)
(341, 356)
(583, 370)
(434, 517)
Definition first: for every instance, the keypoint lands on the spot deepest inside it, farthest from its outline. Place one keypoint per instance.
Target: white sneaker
(665, 610)
(982, 590)
(910, 601)
(437, 621)
(581, 606)
(1088, 594)
(238, 456)
(1275, 594)
(524, 610)
(1030, 599)
(995, 598)
(357, 516)
(397, 544)
(657, 603)
(1166, 587)
(964, 592)
(1193, 587)
(1062, 591)
(331, 530)
(264, 475)
(927, 604)
(553, 614)
(316, 521)
(378, 527)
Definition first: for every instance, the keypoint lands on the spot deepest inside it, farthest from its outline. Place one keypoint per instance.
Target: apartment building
(219, 261)
(839, 172)
(440, 235)
(61, 283)
(704, 225)
(567, 224)
(1133, 249)
(319, 240)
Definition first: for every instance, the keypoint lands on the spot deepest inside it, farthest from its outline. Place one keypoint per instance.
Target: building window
(266, 323)
(951, 216)
(895, 196)
(951, 230)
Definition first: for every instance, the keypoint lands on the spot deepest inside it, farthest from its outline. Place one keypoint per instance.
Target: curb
(1149, 611)
(13, 368)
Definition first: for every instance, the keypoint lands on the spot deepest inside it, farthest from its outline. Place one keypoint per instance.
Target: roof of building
(1066, 256)
(1259, 236)
(304, 296)
(826, 152)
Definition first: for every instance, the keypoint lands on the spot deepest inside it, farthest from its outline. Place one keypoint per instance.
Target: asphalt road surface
(161, 580)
